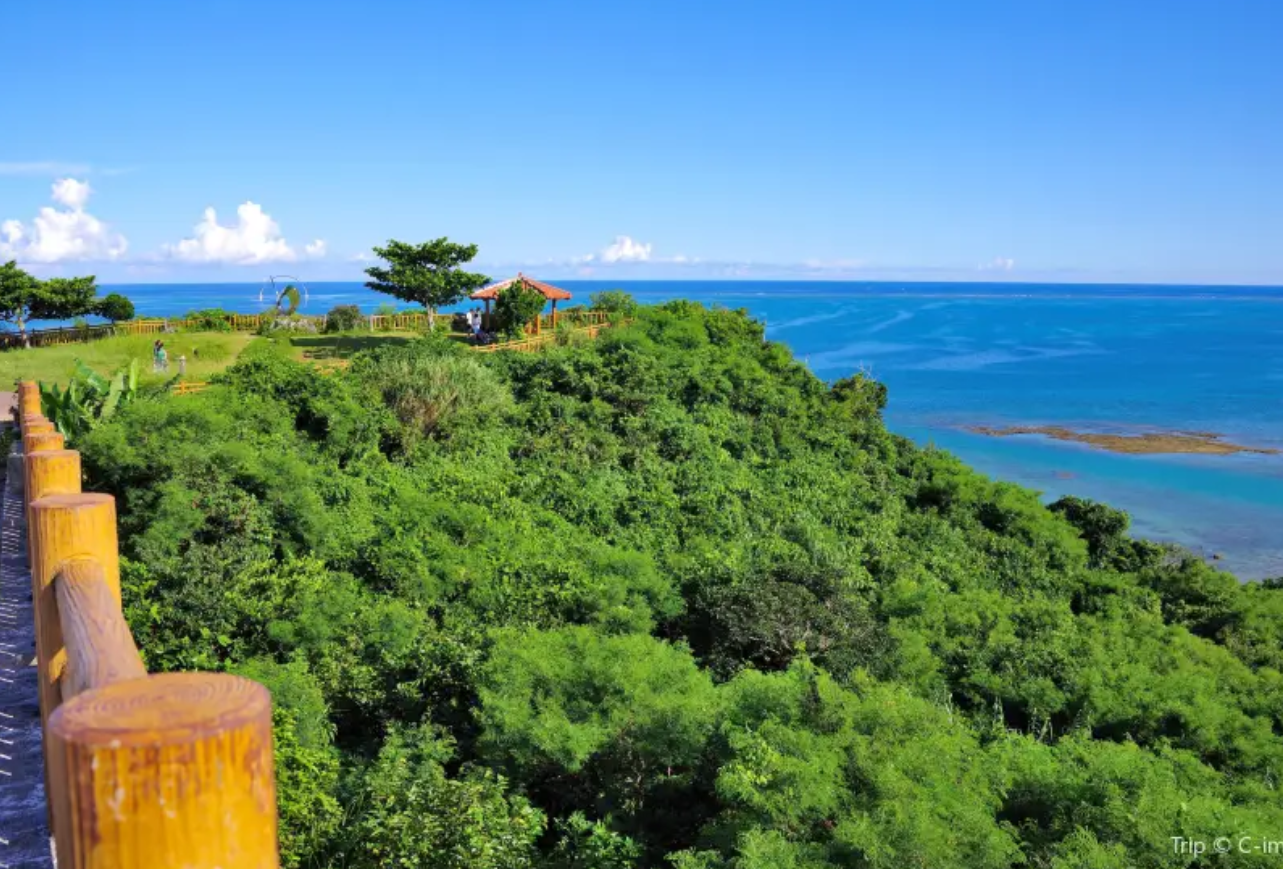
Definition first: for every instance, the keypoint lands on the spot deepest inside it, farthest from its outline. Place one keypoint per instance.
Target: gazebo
(548, 291)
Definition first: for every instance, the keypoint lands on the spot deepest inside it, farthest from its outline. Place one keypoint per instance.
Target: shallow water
(954, 355)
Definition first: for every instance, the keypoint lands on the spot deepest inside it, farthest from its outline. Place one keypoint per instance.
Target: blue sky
(1095, 141)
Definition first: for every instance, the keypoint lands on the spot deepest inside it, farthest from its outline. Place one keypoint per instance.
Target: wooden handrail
(100, 648)
(141, 771)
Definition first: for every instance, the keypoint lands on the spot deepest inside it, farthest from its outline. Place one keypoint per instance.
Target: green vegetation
(428, 274)
(330, 346)
(667, 599)
(516, 306)
(207, 354)
(208, 320)
(344, 318)
(115, 307)
(88, 399)
(24, 298)
(614, 302)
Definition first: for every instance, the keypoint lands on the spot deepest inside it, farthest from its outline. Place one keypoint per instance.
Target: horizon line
(748, 280)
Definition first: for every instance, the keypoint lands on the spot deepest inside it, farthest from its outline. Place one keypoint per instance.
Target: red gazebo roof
(548, 291)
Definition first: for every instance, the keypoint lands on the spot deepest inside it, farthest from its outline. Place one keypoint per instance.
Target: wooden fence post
(35, 424)
(34, 442)
(34, 445)
(173, 770)
(28, 398)
(53, 471)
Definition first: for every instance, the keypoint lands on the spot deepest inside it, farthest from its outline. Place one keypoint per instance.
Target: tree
(516, 306)
(427, 274)
(24, 297)
(115, 307)
(18, 291)
(614, 302)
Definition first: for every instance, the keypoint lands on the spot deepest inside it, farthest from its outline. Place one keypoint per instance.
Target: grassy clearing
(207, 353)
(323, 348)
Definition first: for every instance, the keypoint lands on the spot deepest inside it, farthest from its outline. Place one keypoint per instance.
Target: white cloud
(999, 264)
(625, 250)
(622, 250)
(254, 238)
(71, 193)
(57, 235)
(43, 167)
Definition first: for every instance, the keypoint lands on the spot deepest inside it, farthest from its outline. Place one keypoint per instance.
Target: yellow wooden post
(173, 770)
(48, 472)
(34, 445)
(28, 398)
(35, 424)
(53, 472)
(34, 442)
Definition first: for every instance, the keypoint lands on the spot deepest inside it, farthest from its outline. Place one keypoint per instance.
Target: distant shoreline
(1149, 443)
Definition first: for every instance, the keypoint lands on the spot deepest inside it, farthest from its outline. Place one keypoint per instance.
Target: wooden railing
(50, 337)
(250, 322)
(141, 771)
(539, 341)
(190, 387)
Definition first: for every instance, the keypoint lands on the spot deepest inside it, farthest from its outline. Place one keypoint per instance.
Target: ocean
(1112, 359)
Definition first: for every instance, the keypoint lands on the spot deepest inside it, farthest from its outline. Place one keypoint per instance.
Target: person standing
(162, 357)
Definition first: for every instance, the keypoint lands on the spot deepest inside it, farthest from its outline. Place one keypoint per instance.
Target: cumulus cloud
(999, 264)
(71, 193)
(625, 250)
(254, 238)
(62, 235)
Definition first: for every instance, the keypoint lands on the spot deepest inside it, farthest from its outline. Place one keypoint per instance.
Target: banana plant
(88, 399)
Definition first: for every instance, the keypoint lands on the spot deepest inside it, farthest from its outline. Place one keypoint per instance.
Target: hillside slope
(668, 597)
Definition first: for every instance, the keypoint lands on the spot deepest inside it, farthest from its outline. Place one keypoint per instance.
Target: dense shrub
(667, 599)
(432, 388)
(614, 302)
(344, 318)
(115, 307)
(208, 320)
(516, 306)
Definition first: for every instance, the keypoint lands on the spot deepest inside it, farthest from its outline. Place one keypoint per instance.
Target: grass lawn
(207, 353)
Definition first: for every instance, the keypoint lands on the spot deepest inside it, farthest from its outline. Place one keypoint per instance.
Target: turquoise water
(1102, 358)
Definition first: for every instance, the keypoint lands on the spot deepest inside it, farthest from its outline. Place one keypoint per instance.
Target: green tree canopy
(516, 306)
(24, 298)
(428, 274)
(666, 598)
(115, 307)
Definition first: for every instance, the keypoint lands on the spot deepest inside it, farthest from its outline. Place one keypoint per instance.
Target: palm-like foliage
(88, 398)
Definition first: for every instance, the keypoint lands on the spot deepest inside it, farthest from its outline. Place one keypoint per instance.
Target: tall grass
(430, 393)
